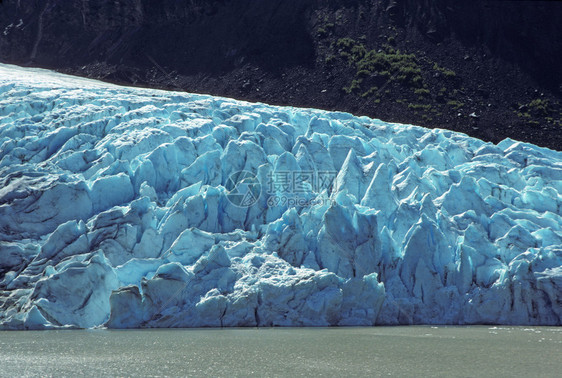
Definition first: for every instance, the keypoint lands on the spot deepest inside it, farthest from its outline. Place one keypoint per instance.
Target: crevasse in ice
(126, 207)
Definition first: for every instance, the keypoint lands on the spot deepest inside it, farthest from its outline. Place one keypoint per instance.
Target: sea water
(377, 351)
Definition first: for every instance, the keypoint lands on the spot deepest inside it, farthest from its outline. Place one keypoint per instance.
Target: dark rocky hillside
(487, 68)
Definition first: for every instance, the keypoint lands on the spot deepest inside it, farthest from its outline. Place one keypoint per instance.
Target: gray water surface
(377, 351)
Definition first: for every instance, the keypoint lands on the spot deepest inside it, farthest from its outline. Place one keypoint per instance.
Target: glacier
(127, 207)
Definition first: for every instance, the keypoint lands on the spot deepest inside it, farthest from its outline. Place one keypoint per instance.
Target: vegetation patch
(455, 104)
(379, 66)
(325, 29)
(421, 91)
(447, 73)
(539, 107)
(423, 107)
(330, 59)
(370, 92)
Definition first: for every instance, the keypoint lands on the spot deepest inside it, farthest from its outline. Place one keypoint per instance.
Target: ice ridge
(124, 208)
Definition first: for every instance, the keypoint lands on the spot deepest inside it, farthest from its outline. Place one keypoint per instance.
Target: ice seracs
(125, 208)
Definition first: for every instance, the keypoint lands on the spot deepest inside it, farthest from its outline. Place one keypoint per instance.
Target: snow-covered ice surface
(124, 207)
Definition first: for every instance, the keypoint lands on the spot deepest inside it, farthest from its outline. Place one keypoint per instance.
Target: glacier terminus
(127, 208)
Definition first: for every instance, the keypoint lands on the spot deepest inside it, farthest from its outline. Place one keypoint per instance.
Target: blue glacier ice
(124, 207)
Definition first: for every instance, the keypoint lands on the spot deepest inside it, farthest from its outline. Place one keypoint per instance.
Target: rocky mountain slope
(487, 68)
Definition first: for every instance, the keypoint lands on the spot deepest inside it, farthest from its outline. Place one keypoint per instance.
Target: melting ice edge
(117, 210)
